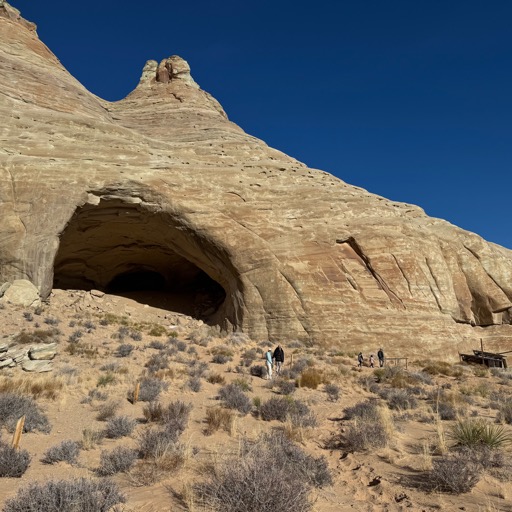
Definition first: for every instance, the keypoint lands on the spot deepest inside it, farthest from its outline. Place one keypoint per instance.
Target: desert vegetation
(188, 416)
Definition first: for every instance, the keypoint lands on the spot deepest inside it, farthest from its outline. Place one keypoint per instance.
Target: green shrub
(473, 433)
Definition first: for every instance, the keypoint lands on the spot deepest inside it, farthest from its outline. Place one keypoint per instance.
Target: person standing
(360, 360)
(279, 358)
(380, 355)
(372, 361)
(268, 362)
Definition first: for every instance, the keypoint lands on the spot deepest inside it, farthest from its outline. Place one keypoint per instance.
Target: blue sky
(411, 100)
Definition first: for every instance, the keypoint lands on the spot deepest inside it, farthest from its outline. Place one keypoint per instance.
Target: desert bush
(333, 392)
(442, 368)
(157, 362)
(476, 432)
(446, 411)
(75, 336)
(175, 417)
(401, 400)
(285, 387)
(136, 335)
(234, 398)
(269, 475)
(14, 406)
(105, 380)
(119, 460)
(107, 410)
(283, 408)
(181, 346)
(455, 474)
(368, 410)
(157, 345)
(95, 394)
(66, 496)
(90, 438)
(119, 426)
(124, 350)
(150, 389)
(249, 356)
(194, 384)
(221, 359)
(505, 412)
(153, 412)
(197, 369)
(242, 383)
(258, 371)
(13, 462)
(36, 336)
(157, 330)
(216, 378)
(28, 316)
(67, 451)
(218, 417)
(154, 443)
(365, 435)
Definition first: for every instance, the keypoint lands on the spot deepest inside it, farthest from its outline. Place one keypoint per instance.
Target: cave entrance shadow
(124, 249)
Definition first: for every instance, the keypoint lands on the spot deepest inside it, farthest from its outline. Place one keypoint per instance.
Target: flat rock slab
(22, 293)
(6, 363)
(36, 366)
(44, 351)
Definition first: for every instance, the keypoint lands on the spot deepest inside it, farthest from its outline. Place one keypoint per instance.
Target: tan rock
(22, 293)
(162, 188)
(43, 351)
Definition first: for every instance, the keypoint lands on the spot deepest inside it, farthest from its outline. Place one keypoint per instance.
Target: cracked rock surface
(161, 187)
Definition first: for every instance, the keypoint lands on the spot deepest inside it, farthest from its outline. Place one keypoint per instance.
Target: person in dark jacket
(360, 359)
(380, 355)
(279, 358)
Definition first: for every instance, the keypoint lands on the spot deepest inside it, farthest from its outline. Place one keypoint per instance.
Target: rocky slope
(161, 187)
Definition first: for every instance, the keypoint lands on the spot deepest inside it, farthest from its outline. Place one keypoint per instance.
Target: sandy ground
(390, 478)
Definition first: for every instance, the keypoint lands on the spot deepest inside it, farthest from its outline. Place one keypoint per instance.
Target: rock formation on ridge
(162, 187)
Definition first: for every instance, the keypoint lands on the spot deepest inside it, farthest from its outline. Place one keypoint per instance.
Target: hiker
(372, 361)
(360, 359)
(380, 355)
(268, 362)
(279, 358)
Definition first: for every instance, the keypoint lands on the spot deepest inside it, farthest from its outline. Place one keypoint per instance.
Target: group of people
(274, 358)
(371, 360)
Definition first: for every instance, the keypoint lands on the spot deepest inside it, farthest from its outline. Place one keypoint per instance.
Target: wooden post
(482, 344)
(136, 393)
(291, 360)
(17, 433)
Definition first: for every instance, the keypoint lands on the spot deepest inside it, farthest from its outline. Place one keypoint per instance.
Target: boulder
(22, 293)
(37, 366)
(7, 363)
(43, 351)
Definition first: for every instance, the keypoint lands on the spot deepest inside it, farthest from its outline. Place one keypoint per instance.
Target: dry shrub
(66, 496)
(215, 378)
(107, 411)
(442, 368)
(67, 451)
(269, 475)
(119, 426)
(150, 388)
(37, 387)
(119, 460)
(285, 408)
(505, 412)
(13, 462)
(285, 387)
(234, 398)
(333, 392)
(36, 336)
(401, 399)
(217, 418)
(153, 412)
(455, 473)
(14, 406)
(90, 438)
(310, 378)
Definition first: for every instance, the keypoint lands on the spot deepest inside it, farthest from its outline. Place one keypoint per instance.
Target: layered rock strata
(161, 187)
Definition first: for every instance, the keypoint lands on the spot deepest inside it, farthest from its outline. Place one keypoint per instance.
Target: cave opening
(124, 249)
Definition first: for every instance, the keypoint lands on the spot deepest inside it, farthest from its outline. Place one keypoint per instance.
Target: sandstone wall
(162, 177)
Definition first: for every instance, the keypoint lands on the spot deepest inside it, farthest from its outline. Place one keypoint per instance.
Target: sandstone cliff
(162, 186)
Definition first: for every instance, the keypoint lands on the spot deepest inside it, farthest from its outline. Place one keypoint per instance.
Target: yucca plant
(472, 433)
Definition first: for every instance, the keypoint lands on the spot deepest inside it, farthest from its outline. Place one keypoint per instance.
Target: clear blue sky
(410, 99)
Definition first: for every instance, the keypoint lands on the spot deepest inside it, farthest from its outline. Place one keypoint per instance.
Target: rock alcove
(124, 247)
